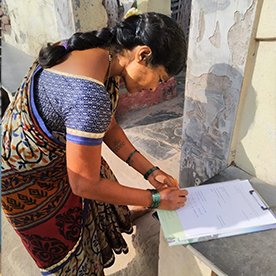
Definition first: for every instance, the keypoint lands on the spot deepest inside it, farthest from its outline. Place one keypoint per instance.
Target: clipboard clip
(259, 196)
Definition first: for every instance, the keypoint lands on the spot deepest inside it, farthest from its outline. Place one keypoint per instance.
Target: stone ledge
(236, 255)
(130, 102)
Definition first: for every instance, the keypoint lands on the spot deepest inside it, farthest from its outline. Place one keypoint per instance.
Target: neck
(117, 65)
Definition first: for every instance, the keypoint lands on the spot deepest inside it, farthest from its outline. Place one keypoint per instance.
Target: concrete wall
(254, 144)
(35, 22)
(220, 34)
(116, 10)
(155, 5)
(89, 15)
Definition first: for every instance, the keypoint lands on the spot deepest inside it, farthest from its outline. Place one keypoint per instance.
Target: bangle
(156, 199)
(128, 159)
(146, 175)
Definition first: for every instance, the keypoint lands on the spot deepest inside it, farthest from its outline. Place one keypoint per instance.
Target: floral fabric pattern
(64, 234)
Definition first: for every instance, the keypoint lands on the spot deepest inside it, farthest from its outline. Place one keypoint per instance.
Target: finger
(169, 180)
(165, 179)
(183, 199)
(179, 205)
(159, 185)
(183, 193)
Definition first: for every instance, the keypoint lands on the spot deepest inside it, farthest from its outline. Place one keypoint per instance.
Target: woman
(57, 191)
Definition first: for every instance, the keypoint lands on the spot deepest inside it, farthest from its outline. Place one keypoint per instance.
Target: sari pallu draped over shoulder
(36, 195)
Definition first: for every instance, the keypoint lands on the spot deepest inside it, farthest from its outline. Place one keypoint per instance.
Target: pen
(175, 182)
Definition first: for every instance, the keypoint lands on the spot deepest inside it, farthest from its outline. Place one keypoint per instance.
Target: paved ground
(156, 132)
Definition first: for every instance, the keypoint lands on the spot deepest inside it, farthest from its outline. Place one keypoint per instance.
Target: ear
(143, 53)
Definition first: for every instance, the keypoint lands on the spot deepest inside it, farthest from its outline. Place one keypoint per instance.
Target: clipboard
(217, 210)
(259, 198)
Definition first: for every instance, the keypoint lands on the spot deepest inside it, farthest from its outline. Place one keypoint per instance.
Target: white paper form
(222, 207)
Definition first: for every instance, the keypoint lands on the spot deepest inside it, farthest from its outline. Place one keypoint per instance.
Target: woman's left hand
(159, 179)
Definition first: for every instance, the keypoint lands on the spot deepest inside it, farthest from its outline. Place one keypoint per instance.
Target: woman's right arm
(83, 166)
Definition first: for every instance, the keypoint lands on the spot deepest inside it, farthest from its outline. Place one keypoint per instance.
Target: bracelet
(128, 159)
(156, 199)
(146, 175)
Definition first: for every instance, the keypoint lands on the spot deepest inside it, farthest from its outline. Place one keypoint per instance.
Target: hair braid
(159, 32)
(53, 54)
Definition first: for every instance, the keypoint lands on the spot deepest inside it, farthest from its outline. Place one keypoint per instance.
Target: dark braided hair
(161, 33)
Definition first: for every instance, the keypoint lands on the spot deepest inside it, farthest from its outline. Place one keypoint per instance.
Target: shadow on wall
(247, 112)
(209, 120)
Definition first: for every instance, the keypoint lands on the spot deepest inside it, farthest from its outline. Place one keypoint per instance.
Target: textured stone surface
(218, 47)
(36, 22)
(179, 261)
(130, 102)
(89, 15)
(162, 140)
(144, 244)
(161, 124)
(157, 130)
(239, 255)
(150, 129)
(28, 32)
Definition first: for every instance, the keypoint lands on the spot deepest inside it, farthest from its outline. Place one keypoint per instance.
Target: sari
(64, 233)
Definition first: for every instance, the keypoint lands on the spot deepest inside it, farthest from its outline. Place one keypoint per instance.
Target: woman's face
(138, 76)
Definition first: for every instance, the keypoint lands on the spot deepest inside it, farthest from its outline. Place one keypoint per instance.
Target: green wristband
(146, 175)
(128, 159)
(156, 199)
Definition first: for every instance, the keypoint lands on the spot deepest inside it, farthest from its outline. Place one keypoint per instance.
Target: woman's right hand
(172, 198)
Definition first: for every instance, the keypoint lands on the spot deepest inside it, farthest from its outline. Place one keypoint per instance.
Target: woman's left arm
(117, 141)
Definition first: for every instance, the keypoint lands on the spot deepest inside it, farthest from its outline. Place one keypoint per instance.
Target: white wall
(35, 22)
(160, 6)
(254, 143)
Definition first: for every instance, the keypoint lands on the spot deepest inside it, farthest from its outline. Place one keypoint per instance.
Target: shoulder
(91, 63)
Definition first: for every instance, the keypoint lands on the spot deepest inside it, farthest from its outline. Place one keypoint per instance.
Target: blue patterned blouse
(78, 106)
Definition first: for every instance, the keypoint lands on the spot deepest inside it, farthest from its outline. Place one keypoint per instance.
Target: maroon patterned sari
(64, 234)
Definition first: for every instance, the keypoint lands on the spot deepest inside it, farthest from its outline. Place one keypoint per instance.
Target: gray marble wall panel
(219, 39)
(65, 18)
(89, 15)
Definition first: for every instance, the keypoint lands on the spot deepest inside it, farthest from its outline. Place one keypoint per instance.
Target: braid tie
(65, 45)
